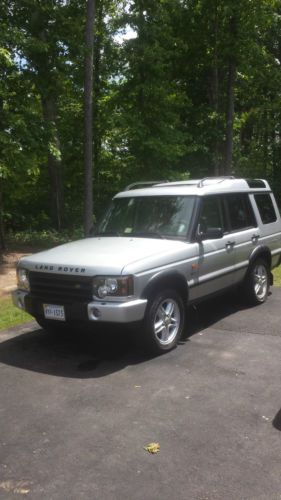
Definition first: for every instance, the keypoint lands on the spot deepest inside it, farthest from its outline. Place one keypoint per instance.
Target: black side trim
(258, 251)
(214, 294)
(169, 277)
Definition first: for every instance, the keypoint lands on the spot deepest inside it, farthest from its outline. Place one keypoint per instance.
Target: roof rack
(218, 179)
(143, 184)
(193, 182)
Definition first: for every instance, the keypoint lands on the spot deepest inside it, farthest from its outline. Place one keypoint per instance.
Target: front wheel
(164, 321)
(257, 281)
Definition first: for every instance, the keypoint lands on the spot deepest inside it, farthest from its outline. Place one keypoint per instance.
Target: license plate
(52, 311)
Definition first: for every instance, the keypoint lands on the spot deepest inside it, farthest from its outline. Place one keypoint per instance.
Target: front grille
(60, 287)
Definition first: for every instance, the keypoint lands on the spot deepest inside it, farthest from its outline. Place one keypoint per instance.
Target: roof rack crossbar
(144, 184)
(219, 179)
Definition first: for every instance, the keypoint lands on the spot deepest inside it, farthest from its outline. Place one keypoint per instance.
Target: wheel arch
(261, 252)
(257, 295)
(171, 280)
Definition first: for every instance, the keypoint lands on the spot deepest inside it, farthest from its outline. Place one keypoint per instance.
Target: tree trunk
(230, 98)
(48, 100)
(88, 118)
(265, 143)
(276, 161)
(98, 46)
(216, 109)
(54, 164)
(230, 118)
(215, 78)
(2, 231)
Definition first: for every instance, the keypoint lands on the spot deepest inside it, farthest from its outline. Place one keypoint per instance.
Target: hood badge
(62, 269)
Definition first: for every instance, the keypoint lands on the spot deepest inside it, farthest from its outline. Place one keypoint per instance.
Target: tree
(37, 44)
(88, 123)
(149, 100)
(195, 90)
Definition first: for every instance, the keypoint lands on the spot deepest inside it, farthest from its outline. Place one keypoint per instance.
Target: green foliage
(277, 276)
(160, 98)
(44, 238)
(11, 315)
(151, 100)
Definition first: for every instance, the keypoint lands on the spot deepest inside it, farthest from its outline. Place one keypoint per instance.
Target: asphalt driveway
(76, 413)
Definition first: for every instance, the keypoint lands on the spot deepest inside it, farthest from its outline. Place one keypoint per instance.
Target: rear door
(243, 231)
(269, 221)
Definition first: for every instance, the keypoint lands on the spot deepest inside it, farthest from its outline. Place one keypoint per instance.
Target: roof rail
(218, 179)
(143, 184)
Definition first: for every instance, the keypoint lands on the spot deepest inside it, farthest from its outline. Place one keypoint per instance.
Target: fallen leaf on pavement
(152, 447)
(21, 487)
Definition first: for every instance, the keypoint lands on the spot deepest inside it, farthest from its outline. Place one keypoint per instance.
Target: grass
(277, 276)
(11, 315)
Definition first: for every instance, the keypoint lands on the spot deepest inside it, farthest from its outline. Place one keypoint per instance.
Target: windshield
(148, 216)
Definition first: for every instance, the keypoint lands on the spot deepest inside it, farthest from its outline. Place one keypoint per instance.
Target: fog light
(96, 313)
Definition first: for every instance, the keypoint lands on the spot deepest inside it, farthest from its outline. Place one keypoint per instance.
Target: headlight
(23, 280)
(113, 286)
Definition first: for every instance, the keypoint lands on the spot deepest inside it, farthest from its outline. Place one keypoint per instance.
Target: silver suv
(159, 247)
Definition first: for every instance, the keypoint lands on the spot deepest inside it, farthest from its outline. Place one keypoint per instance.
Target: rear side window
(240, 212)
(266, 208)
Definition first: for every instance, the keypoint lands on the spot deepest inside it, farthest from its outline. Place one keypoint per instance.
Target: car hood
(106, 255)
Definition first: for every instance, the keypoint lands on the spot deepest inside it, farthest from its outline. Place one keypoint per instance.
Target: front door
(216, 256)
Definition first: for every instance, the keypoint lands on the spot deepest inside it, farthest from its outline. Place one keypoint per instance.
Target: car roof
(197, 187)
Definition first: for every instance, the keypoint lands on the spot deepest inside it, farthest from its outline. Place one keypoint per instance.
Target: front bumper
(107, 312)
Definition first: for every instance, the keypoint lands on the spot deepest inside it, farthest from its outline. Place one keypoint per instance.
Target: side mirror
(210, 233)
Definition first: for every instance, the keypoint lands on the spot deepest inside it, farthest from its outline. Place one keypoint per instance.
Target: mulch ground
(8, 262)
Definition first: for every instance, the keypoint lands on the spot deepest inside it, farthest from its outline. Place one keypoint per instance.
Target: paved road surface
(76, 413)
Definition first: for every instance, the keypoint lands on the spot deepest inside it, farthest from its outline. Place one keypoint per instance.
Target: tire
(164, 321)
(257, 282)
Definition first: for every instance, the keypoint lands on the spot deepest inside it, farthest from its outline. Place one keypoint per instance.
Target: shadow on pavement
(209, 312)
(96, 354)
(78, 355)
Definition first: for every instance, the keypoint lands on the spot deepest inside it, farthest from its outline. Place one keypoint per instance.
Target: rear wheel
(257, 281)
(164, 321)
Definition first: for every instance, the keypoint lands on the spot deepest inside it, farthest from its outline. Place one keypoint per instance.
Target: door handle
(255, 238)
(229, 245)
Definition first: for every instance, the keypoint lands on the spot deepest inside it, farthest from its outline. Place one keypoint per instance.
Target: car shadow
(86, 354)
(74, 354)
(209, 312)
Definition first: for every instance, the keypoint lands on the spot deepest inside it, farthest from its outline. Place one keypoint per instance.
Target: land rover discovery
(159, 247)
